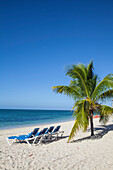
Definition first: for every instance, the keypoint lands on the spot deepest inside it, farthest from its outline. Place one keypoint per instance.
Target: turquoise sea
(11, 118)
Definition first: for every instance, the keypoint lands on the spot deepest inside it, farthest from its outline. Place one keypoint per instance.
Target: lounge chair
(22, 137)
(46, 135)
(49, 130)
(39, 135)
(27, 139)
(56, 132)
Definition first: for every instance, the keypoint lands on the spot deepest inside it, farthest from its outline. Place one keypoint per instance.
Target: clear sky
(39, 38)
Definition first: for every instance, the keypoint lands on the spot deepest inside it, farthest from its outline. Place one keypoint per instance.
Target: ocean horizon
(14, 118)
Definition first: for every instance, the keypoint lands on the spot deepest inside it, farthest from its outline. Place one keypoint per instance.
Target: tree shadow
(103, 130)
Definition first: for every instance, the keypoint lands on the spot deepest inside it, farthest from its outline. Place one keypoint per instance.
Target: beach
(84, 153)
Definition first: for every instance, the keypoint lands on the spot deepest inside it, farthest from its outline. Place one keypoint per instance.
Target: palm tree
(87, 91)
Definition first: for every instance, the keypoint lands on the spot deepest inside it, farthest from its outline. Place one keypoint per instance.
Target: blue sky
(38, 39)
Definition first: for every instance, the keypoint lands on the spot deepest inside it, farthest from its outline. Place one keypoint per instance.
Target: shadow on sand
(100, 132)
(103, 130)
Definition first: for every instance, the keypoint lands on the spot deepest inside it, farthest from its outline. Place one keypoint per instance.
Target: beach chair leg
(62, 133)
(28, 142)
(39, 141)
(57, 136)
(49, 137)
(8, 141)
(11, 142)
(14, 140)
(34, 140)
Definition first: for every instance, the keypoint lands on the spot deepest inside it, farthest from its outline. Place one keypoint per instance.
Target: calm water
(10, 118)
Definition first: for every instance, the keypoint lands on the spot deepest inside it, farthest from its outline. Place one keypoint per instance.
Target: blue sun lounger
(56, 132)
(26, 138)
(46, 135)
(49, 130)
(39, 135)
(51, 134)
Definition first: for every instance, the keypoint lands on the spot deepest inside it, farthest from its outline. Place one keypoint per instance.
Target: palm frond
(74, 130)
(70, 91)
(105, 112)
(106, 95)
(82, 120)
(84, 116)
(84, 70)
(103, 86)
(90, 72)
(79, 73)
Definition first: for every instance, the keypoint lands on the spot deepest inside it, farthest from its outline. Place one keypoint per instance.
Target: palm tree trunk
(91, 123)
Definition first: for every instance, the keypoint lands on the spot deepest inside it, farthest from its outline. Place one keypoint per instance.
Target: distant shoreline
(38, 109)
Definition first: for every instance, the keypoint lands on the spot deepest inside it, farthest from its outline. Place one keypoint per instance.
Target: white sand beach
(82, 154)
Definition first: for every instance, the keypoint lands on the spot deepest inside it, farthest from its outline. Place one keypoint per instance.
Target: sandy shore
(83, 153)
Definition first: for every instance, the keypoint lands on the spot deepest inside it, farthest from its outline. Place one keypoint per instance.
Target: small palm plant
(87, 92)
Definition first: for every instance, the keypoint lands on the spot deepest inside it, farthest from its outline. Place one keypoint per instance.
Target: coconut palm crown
(88, 93)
